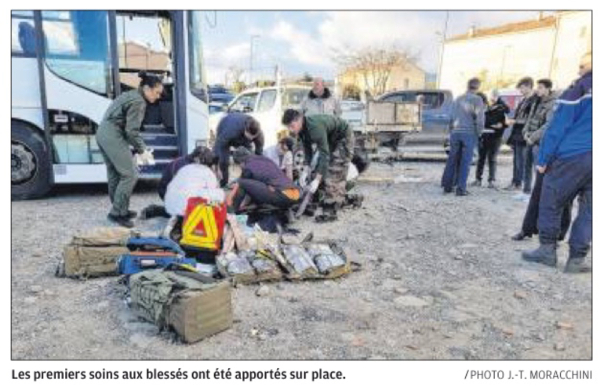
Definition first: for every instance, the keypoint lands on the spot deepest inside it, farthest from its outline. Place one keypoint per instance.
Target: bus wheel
(29, 173)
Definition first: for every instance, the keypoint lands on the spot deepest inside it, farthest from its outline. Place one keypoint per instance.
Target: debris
(401, 290)
(263, 336)
(410, 301)
(36, 289)
(564, 325)
(520, 295)
(263, 291)
(507, 332)
(413, 347)
(559, 347)
(253, 332)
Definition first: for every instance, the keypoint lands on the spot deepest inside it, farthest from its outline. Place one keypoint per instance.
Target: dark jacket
(468, 114)
(263, 169)
(325, 132)
(524, 109)
(494, 115)
(538, 120)
(170, 171)
(570, 130)
(230, 133)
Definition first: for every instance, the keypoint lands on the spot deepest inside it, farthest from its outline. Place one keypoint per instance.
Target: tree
(351, 92)
(374, 65)
(235, 75)
(307, 77)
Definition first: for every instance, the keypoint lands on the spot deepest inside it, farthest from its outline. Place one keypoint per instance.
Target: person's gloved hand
(314, 185)
(303, 179)
(146, 158)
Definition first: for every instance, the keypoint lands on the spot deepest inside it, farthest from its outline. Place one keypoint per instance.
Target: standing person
(489, 145)
(468, 119)
(320, 100)
(235, 130)
(533, 131)
(119, 129)
(262, 181)
(334, 139)
(516, 140)
(565, 157)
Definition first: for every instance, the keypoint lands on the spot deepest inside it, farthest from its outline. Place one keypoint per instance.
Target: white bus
(67, 67)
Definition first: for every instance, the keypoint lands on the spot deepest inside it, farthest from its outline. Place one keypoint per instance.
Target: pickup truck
(385, 126)
(436, 106)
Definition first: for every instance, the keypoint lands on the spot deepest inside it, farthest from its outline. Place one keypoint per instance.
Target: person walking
(118, 130)
(565, 157)
(468, 119)
(491, 139)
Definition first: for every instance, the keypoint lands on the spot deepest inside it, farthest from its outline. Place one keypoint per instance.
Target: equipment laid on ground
(151, 253)
(94, 253)
(203, 224)
(192, 305)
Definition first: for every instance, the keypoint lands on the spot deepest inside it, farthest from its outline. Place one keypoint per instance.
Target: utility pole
(441, 60)
(250, 73)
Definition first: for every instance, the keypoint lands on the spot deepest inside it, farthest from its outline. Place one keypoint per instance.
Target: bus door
(145, 43)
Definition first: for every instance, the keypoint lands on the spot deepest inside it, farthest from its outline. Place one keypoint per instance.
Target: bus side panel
(197, 122)
(62, 95)
(79, 173)
(25, 90)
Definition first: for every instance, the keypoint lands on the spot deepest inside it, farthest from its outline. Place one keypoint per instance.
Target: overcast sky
(302, 41)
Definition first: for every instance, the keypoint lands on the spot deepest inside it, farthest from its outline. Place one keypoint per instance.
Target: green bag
(192, 305)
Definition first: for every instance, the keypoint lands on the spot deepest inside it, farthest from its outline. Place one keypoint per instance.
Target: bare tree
(235, 74)
(374, 65)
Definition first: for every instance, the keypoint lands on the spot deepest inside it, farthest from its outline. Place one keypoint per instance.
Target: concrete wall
(400, 78)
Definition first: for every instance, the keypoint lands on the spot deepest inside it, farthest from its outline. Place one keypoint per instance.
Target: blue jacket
(570, 131)
(468, 114)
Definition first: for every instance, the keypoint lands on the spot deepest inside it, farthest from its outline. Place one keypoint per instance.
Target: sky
(305, 41)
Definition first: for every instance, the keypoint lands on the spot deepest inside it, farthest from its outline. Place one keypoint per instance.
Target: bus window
(77, 48)
(23, 34)
(144, 43)
(195, 51)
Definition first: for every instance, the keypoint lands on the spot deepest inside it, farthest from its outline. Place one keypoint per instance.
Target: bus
(67, 67)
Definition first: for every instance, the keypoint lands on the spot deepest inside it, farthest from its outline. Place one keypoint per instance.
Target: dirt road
(441, 279)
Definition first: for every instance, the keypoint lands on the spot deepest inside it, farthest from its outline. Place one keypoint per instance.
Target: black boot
(545, 254)
(329, 214)
(131, 214)
(520, 236)
(577, 264)
(121, 220)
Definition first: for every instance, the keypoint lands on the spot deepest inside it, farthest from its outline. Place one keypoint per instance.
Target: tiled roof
(528, 25)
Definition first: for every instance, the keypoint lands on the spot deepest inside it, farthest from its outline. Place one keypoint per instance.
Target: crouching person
(334, 141)
(201, 156)
(262, 183)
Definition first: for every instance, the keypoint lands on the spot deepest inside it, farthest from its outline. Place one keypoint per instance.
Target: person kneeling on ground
(261, 183)
(334, 140)
(200, 156)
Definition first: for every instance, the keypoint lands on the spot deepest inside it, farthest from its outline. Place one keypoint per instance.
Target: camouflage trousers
(339, 161)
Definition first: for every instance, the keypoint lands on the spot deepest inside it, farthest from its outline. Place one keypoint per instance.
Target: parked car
(435, 118)
(265, 104)
(219, 93)
(216, 107)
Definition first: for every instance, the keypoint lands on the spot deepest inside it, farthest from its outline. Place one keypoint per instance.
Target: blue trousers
(459, 160)
(566, 179)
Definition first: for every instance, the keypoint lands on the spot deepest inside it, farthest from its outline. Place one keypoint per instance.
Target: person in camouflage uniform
(334, 140)
(119, 129)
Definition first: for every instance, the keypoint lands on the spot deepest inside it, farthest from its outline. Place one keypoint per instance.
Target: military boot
(545, 254)
(329, 214)
(577, 264)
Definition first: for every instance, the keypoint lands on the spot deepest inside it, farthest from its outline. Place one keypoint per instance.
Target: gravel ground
(441, 279)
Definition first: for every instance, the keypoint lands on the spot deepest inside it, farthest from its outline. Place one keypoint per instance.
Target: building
(401, 77)
(547, 47)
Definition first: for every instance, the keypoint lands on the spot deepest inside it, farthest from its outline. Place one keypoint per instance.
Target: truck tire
(30, 175)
